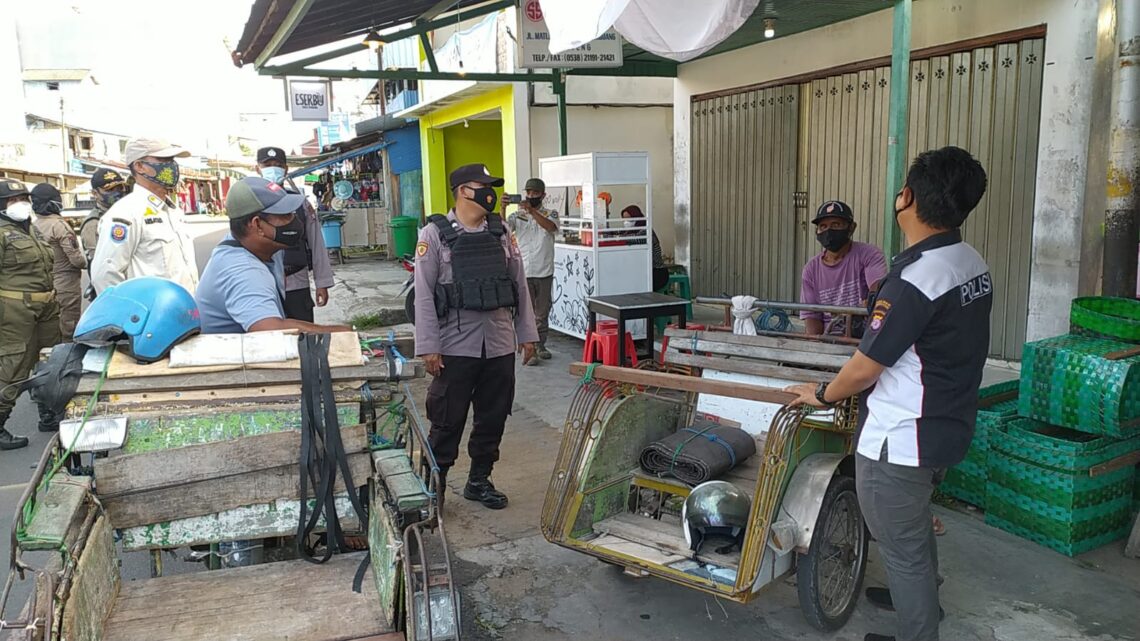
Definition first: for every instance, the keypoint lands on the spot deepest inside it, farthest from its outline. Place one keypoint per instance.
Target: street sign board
(534, 44)
(309, 100)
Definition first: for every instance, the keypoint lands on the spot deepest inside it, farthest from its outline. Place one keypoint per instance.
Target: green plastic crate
(1039, 487)
(966, 481)
(1068, 381)
(1106, 317)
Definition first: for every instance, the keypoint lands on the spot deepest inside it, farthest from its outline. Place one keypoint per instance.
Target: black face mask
(288, 235)
(899, 211)
(485, 197)
(534, 202)
(834, 239)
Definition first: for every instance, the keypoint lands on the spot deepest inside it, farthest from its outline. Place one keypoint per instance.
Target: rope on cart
(30, 507)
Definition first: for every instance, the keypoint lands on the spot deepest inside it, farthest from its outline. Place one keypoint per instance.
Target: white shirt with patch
(143, 235)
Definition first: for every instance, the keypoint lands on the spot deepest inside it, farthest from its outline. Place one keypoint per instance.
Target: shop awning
(367, 149)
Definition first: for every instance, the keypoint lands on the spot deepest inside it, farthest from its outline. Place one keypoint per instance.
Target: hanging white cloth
(742, 323)
(677, 29)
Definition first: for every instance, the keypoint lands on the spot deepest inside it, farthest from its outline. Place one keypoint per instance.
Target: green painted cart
(804, 518)
(210, 463)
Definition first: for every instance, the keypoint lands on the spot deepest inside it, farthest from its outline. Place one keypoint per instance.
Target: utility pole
(1121, 225)
(63, 135)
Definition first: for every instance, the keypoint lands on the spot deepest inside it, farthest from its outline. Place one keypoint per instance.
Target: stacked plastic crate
(1064, 473)
(997, 405)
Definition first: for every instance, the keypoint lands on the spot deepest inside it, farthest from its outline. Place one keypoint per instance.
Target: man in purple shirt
(473, 312)
(842, 274)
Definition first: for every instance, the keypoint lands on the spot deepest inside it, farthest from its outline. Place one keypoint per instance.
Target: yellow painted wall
(437, 139)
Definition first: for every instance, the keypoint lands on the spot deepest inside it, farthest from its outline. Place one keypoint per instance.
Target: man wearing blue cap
(243, 286)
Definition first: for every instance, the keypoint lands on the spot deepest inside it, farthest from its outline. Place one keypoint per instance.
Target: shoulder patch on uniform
(118, 232)
(149, 212)
(879, 313)
(154, 200)
(121, 221)
(421, 248)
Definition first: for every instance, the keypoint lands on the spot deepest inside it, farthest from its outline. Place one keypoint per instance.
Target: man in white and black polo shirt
(921, 359)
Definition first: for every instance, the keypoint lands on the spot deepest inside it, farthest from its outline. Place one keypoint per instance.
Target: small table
(626, 307)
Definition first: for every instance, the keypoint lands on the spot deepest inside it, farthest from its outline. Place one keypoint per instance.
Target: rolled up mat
(699, 453)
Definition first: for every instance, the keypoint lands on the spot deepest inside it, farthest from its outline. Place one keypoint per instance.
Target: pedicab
(225, 461)
(802, 518)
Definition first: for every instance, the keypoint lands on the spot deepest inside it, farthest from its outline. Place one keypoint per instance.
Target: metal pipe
(560, 91)
(1121, 231)
(897, 122)
(795, 307)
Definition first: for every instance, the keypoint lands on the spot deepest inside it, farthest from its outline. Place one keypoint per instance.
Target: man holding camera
(534, 228)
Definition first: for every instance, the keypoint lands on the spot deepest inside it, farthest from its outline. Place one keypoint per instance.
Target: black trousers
(299, 305)
(488, 384)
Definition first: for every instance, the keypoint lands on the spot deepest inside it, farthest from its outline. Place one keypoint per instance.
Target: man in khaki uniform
(29, 314)
(69, 261)
(144, 234)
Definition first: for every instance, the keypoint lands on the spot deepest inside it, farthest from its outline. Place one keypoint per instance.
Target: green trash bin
(403, 234)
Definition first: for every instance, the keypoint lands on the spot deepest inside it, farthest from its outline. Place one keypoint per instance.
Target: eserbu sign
(309, 100)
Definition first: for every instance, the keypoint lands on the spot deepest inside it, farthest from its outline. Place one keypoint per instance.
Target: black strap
(447, 231)
(322, 454)
(495, 225)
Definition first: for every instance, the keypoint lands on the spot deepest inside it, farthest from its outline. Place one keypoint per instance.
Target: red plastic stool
(665, 339)
(606, 342)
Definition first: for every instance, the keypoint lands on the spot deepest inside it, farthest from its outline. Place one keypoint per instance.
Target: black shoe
(881, 598)
(871, 636)
(49, 426)
(481, 489)
(9, 441)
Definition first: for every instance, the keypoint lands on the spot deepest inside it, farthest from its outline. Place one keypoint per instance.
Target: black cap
(474, 173)
(270, 153)
(833, 209)
(535, 184)
(107, 179)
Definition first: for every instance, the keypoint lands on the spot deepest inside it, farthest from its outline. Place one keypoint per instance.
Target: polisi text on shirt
(976, 288)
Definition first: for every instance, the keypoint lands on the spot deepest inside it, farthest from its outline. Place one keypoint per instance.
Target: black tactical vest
(301, 256)
(479, 273)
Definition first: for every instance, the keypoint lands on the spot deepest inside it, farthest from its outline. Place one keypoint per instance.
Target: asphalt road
(16, 466)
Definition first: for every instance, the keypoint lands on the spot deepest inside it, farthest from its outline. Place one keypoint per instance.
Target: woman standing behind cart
(633, 218)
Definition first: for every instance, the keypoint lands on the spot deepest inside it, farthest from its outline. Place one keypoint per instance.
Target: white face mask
(629, 222)
(20, 211)
(273, 174)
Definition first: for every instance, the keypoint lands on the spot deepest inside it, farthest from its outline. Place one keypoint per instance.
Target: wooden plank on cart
(94, 587)
(685, 383)
(133, 473)
(276, 518)
(377, 370)
(214, 495)
(57, 512)
(805, 344)
(293, 600)
(746, 366)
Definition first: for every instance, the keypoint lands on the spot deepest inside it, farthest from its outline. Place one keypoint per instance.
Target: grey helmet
(715, 509)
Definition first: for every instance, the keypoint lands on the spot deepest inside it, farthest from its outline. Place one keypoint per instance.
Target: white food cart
(594, 253)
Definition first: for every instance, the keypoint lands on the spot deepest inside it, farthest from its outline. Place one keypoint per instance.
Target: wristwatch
(820, 392)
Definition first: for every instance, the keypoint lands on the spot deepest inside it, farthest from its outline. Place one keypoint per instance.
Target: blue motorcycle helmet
(153, 314)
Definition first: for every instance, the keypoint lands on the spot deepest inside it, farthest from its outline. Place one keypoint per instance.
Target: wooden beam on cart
(238, 378)
(684, 383)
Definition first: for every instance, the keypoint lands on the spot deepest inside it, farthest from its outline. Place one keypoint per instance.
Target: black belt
(322, 455)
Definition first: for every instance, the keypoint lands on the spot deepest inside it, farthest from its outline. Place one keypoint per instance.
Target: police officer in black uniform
(473, 312)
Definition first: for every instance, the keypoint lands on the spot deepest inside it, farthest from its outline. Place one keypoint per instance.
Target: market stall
(595, 254)
(352, 187)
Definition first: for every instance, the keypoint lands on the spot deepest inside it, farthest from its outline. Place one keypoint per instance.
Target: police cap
(474, 173)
